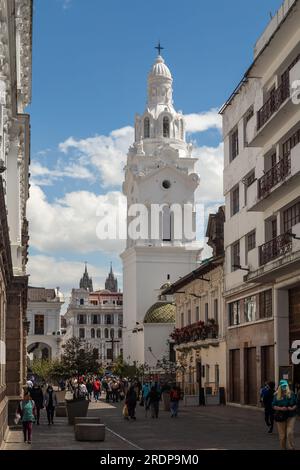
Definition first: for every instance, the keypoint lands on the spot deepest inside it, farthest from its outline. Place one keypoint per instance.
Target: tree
(42, 369)
(78, 359)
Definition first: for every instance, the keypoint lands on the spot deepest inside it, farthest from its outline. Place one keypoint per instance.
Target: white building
(97, 318)
(43, 312)
(160, 170)
(261, 127)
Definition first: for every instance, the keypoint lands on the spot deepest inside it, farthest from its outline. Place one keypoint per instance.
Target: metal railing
(273, 103)
(276, 174)
(274, 248)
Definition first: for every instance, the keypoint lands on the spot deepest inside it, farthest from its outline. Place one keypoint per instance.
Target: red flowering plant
(196, 331)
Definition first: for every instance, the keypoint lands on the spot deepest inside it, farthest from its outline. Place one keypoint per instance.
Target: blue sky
(90, 64)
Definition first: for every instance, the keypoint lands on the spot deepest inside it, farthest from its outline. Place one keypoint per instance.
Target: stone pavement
(211, 427)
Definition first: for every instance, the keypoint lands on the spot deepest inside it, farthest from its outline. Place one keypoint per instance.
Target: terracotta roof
(161, 312)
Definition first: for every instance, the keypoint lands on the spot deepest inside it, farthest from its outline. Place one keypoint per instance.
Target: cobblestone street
(220, 428)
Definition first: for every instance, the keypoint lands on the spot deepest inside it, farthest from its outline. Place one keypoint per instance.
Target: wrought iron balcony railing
(195, 332)
(274, 248)
(273, 103)
(276, 174)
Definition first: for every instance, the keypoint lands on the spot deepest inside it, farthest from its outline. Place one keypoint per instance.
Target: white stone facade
(96, 318)
(160, 170)
(43, 312)
(261, 127)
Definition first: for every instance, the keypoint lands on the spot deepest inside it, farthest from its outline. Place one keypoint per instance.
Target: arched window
(120, 334)
(146, 128)
(166, 127)
(106, 333)
(81, 301)
(98, 333)
(112, 333)
(92, 333)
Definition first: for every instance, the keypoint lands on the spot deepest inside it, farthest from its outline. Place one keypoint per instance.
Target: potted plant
(78, 359)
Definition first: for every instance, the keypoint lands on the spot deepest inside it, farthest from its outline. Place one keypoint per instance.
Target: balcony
(277, 257)
(271, 186)
(197, 335)
(273, 104)
(274, 113)
(274, 248)
(277, 174)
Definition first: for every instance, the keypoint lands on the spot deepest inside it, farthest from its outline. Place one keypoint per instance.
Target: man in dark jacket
(131, 399)
(37, 396)
(267, 399)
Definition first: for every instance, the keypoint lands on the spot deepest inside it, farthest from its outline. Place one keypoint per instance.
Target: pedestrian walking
(267, 401)
(130, 401)
(89, 387)
(27, 412)
(174, 401)
(50, 402)
(37, 396)
(285, 407)
(145, 396)
(154, 398)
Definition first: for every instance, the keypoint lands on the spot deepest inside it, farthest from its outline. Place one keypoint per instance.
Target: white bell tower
(159, 174)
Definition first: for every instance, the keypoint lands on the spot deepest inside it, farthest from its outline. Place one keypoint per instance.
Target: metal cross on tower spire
(159, 47)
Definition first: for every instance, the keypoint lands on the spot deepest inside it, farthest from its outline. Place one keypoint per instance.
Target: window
(291, 217)
(234, 313)
(81, 319)
(39, 324)
(94, 302)
(251, 241)
(112, 333)
(109, 354)
(206, 312)
(108, 320)
(81, 301)
(120, 334)
(92, 333)
(98, 333)
(182, 320)
(216, 312)
(120, 320)
(189, 317)
(291, 143)
(81, 333)
(96, 319)
(234, 144)
(265, 304)
(146, 128)
(96, 353)
(106, 333)
(235, 200)
(236, 256)
(274, 228)
(166, 127)
(207, 373)
(197, 314)
(250, 309)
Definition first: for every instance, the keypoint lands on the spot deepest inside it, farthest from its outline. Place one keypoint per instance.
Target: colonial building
(97, 318)
(160, 173)
(15, 95)
(199, 336)
(45, 333)
(261, 127)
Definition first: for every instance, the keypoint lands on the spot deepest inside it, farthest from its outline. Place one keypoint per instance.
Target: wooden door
(251, 394)
(234, 372)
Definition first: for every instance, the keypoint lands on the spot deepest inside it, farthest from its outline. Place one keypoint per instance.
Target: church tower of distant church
(160, 170)
(111, 282)
(86, 281)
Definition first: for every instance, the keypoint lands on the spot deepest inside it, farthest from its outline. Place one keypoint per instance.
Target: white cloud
(105, 153)
(44, 176)
(200, 122)
(69, 224)
(210, 169)
(66, 4)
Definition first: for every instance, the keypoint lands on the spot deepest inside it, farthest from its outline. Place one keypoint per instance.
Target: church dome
(161, 312)
(160, 69)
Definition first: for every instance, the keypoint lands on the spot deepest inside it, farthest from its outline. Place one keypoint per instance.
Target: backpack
(174, 395)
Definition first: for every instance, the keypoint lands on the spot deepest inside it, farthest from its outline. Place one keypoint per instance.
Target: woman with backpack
(27, 412)
(174, 401)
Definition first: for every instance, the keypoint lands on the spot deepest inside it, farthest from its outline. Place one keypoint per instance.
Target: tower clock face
(166, 184)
